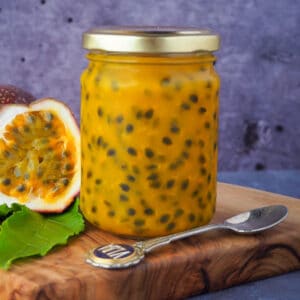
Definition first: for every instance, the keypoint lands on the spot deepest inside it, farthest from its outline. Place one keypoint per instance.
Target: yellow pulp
(36, 157)
(149, 143)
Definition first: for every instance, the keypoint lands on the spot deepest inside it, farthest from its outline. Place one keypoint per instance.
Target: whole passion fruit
(12, 94)
(39, 155)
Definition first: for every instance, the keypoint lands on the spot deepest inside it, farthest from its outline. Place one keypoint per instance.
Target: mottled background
(259, 63)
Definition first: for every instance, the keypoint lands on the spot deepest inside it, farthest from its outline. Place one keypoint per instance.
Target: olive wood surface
(199, 264)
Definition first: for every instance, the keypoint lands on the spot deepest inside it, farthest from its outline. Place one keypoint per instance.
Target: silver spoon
(119, 256)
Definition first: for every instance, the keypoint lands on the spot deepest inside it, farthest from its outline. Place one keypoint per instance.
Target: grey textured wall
(259, 63)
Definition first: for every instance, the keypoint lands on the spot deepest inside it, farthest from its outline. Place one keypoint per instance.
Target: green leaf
(26, 233)
(5, 210)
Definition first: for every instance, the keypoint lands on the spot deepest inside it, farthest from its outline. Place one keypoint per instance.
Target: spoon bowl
(257, 220)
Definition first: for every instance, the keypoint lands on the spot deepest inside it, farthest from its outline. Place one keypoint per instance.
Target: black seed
(173, 166)
(203, 171)
(26, 129)
(98, 181)
(46, 181)
(89, 174)
(201, 143)
(139, 114)
(68, 167)
(165, 81)
(208, 84)
(151, 167)
(209, 196)
(6, 181)
(48, 126)
(100, 141)
(87, 96)
(149, 153)
(100, 112)
(123, 197)
(170, 226)
(6, 154)
(111, 152)
(161, 158)
(215, 115)
(125, 187)
(170, 183)
(94, 209)
(139, 222)
(135, 169)
(193, 98)
(192, 217)
(166, 140)
(164, 218)
(21, 188)
(195, 193)
(185, 106)
(259, 166)
(119, 119)
(174, 129)
(153, 176)
(131, 211)
(111, 213)
(201, 203)
(129, 128)
(65, 181)
(149, 113)
(66, 154)
(202, 110)
(88, 190)
(178, 212)
(155, 184)
(143, 202)
(188, 142)
(131, 151)
(207, 125)
(202, 159)
(185, 184)
(89, 146)
(209, 178)
(163, 197)
(131, 178)
(148, 211)
(185, 155)
(124, 167)
(70, 20)
(215, 146)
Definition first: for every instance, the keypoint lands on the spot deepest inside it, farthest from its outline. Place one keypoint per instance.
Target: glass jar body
(149, 142)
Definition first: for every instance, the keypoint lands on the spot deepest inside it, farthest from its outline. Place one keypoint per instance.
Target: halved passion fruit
(39, 155)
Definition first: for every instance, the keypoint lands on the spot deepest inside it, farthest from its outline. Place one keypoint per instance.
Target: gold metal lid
(157, 40)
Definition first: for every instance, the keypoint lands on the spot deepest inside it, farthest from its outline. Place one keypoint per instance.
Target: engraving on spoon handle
(151, 244)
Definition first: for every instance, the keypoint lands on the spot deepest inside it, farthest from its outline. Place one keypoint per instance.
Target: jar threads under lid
(155, 40)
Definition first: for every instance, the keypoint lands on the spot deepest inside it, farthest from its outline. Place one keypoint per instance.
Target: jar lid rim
(151, 39)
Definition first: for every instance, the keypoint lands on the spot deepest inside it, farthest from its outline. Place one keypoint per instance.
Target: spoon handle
(151, 244)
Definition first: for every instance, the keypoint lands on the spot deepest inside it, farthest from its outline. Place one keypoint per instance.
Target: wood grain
(199, 264)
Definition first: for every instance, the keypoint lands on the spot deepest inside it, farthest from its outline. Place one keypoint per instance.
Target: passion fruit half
(39, 155)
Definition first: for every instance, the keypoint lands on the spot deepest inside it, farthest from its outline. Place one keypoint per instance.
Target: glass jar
(149, 121)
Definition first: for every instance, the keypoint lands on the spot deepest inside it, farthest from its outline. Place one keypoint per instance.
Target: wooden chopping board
(199, 264)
